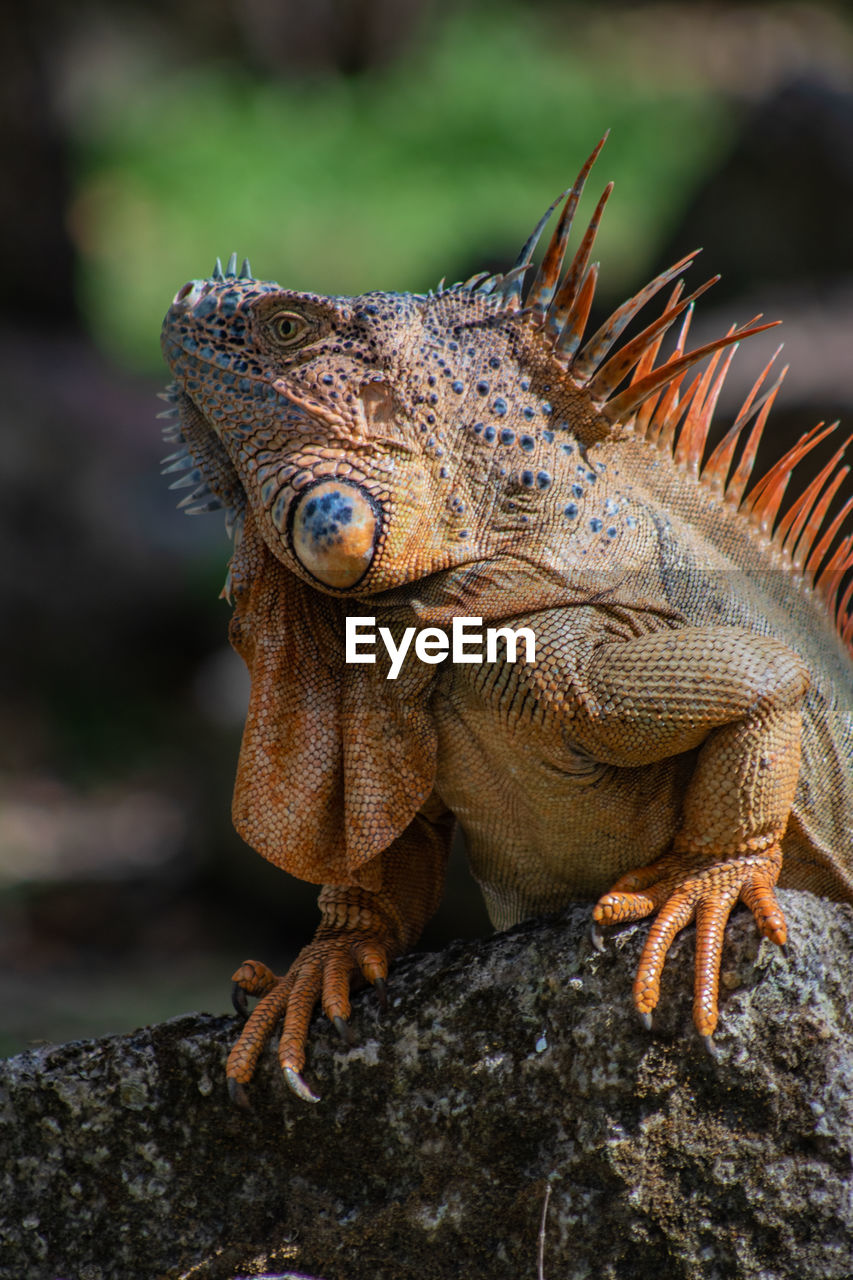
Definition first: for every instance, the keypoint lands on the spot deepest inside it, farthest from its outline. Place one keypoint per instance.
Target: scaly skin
(683, 740)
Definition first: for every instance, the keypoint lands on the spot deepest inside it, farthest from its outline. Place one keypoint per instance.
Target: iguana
(683, 738)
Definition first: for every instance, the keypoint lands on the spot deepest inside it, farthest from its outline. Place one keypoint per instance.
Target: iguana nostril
(189, 294)
(333, 530)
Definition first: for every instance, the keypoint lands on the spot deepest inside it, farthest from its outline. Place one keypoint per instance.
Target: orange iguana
(683, 737)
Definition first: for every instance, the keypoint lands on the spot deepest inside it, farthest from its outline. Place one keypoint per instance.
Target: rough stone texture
(500, 1066)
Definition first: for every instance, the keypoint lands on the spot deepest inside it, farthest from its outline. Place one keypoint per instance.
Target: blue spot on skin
(499, 406)
(631, 522)
(489, 434)
(507, 435)
(543, 479)
(570, 510)
(527, 479)
(577, 490)
(494, 362)
(457, 386)
(206, 307)
(546, 408)
(548, 436)
(595, 524)
(528, 412)
(478, 428)
(483, 388)
(328, 379)
(324, 517)
(567, 448)
(527, 443)
(611, 532)
(525, 384)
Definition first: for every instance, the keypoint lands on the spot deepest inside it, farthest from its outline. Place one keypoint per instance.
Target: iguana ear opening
(330, 773)
(333, 528)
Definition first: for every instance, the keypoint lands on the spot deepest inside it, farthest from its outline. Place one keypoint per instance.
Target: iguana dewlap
(683, 739)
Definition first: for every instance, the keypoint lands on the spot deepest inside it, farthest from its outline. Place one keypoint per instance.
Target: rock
(502, 1068)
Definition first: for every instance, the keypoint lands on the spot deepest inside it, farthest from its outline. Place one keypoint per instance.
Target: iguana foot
(680, 887)
(326, 969)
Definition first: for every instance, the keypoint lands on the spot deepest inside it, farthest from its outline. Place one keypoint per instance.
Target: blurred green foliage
(386, 180)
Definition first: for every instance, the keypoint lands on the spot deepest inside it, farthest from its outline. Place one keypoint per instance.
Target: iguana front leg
(737, 697)
(359, 934)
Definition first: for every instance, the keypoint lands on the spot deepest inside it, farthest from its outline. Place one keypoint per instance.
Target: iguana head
(381, 438)
(361, 431)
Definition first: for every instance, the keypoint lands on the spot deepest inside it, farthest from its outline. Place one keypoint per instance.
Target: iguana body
(416, 459)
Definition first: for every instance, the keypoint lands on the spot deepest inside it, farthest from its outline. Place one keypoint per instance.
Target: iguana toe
(323, 971)
(692, 887)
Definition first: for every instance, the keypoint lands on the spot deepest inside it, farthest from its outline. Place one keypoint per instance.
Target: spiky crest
(654, 406)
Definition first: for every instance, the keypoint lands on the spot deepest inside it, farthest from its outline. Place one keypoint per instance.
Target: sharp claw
(646, 1019)
(709, 1044)
(298, 1085)
(381, 988)
(237, 1093)
(240, 1001)
(345, 1031)
(596, 936)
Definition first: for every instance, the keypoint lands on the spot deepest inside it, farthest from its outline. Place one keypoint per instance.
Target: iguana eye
(289, 327)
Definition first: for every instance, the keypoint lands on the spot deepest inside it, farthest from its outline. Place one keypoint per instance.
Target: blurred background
(343, 145)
